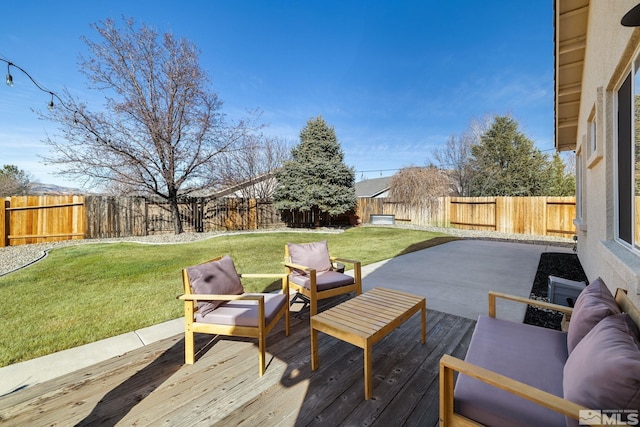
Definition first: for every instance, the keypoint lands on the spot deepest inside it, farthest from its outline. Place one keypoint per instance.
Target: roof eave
(570, 41)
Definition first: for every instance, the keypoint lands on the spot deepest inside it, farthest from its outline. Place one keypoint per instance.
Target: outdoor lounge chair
(312, 274)
(215, 303)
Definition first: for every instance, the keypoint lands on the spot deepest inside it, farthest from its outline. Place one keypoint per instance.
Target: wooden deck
(152, 386)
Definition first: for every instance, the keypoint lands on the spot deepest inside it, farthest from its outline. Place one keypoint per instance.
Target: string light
(9, 76)
(9, 81)
(50, 105)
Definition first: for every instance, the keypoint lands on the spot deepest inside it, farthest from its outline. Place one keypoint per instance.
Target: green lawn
(84, 293)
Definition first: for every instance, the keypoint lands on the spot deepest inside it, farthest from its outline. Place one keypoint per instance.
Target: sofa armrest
(449, 365)
(493, 295)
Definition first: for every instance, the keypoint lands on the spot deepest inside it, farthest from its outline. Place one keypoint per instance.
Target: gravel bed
(15, 257)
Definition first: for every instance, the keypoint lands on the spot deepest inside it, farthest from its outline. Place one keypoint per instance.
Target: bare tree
(250, 169)
(419, 186)
(160, 129)
(455, 156)
(454, 160)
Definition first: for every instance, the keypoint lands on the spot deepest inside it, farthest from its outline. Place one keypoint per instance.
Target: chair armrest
(450, 364)
(542, 304)
(263, 276)
(298, 267)
(348, 261)
(213, 297)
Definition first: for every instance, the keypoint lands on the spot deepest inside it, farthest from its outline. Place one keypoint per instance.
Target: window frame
(580, 187)
(592, 129)
(595, 134)
(626, 148)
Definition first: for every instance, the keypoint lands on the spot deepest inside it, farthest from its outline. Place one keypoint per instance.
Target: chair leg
(286, 322)
(261, 355)
(189, 347)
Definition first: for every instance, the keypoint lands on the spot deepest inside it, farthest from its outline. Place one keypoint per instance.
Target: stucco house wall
(610, 50)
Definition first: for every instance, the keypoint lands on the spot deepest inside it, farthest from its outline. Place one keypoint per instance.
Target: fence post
(500, 212)
(4, 222)
(445, 221)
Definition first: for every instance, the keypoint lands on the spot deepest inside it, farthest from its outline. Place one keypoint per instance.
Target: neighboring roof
(570, 39)
(373, 187)
(234, 188)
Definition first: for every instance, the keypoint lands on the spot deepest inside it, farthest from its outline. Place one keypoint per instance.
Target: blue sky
(395, 79)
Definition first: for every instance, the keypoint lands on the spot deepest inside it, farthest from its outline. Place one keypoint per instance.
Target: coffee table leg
(368, 372)
(314, 349)
(424, 322)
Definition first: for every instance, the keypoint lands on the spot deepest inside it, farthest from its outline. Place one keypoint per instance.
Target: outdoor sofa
(516, 374)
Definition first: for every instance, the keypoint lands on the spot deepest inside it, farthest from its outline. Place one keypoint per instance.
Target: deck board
(152, 386)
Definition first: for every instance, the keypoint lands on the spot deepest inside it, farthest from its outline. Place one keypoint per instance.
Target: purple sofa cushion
(314, 255)
(325, 280)
(530, 354)
(603, 371)
(244, 312)
(214, 277)
(594, 303)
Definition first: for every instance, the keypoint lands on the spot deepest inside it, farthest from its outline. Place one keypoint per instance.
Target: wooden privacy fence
(137, 216)
(544, 216)
(37, 219)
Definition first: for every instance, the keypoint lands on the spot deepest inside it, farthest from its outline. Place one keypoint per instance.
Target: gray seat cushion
(530, 354)
(324, 280)
(244, 313)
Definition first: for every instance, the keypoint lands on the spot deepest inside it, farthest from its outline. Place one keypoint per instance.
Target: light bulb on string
(9, 76)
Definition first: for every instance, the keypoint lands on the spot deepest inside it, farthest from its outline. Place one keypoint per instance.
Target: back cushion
(214, 277)
(314, 255)
(603, 371)
(593, 304)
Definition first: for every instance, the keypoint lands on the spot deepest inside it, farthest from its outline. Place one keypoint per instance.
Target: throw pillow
(593, 304)
(214, 277)
(603, 371)
(314, 255)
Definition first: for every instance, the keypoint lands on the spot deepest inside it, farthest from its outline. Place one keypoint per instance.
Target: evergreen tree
(506, 163)
(316, 178)
(560, 182)
(14, 181)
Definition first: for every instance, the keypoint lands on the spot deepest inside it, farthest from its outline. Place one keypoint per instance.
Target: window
(591, 133)
(628, 159)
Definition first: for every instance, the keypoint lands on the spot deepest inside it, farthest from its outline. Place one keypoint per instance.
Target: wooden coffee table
(365, 320)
